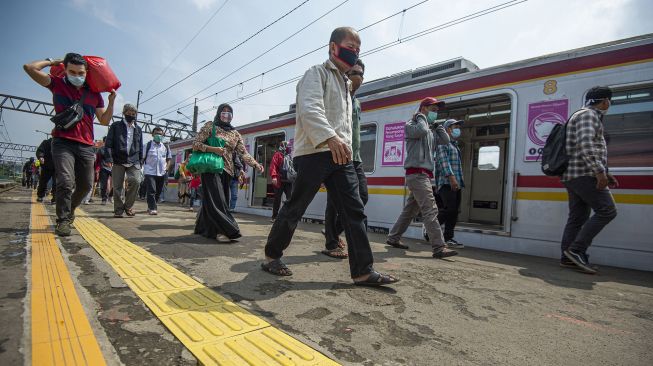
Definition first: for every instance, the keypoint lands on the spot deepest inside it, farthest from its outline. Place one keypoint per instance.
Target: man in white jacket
(323, 138)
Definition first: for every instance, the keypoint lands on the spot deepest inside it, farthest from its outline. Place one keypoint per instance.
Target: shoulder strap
(147, 150)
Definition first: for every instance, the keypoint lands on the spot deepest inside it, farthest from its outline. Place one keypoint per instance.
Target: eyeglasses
(355, 73)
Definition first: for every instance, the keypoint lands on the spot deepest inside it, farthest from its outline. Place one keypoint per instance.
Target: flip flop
(341, 254)
(377, 279)
(277, 268)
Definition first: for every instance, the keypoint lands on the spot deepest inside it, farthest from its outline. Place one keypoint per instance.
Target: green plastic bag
(207, 162)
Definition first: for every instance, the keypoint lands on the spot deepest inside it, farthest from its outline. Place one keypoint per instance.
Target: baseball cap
(430, 101)
(450, 122)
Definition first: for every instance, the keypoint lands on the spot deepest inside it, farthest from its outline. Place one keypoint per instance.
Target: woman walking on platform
(214, 219)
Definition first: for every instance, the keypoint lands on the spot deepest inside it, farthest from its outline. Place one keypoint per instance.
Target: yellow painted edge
(61, 332)
(88, 227)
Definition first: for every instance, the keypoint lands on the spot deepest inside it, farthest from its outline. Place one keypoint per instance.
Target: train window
(629, 127)
(368, 147)
(489, 158)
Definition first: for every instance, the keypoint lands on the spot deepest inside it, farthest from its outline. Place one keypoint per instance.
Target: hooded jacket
(421, 143)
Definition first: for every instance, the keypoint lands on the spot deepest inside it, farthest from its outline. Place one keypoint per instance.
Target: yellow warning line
(61, 333)
(215, 330)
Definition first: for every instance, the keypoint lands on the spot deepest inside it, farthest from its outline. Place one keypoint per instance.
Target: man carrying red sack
(72, 149)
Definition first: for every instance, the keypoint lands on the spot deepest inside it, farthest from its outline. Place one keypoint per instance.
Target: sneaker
(580, 260)
(104, 202)
(90, 200)
(397, 244)
(223, 238)
(444, 253)
(118, 215)
(40, 199)
(152, 212)
(566, 263)
(452, 243)
(63, 229)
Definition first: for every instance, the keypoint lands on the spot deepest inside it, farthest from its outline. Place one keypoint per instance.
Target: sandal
(130, 212)
(341, 243)
(337, 253)
(277, 268)
(397, 244)
(377, 279)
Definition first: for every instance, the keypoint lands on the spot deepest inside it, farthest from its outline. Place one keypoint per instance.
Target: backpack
(554, 153)
(288, 172)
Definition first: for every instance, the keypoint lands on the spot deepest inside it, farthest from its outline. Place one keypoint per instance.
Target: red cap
(430, 101)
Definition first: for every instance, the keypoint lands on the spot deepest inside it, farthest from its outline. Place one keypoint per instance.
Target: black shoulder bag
(69, 117)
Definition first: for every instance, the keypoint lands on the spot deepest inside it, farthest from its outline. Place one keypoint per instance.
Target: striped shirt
(586, 147)
(65, 95)
(448, 163)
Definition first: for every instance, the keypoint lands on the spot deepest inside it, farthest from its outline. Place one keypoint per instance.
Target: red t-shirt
(63, 96)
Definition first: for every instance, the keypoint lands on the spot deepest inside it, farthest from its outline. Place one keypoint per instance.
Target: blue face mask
(431, 117)
(455, 133)
(76, 80)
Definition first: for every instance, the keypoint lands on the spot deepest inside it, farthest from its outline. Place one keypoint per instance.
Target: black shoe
(63, 229)
(580, 260)
(566, 263)
(444, 253)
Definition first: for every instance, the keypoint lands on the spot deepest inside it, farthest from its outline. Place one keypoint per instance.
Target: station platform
(146, 291)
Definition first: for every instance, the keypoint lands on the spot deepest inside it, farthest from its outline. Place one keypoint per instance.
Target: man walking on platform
(333, 227)
(322, 151)
(44, 154)
(72, 148)
(419, 165)
(157, 158)
(124, 148)
(587, 179)
(449, 178)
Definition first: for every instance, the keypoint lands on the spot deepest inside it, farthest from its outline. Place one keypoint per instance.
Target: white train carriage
(508, 204)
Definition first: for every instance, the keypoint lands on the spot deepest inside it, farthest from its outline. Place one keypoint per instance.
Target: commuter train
(508, 111)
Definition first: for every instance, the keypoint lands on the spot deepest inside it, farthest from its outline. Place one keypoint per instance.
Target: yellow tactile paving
(215, 330)
(61, 333)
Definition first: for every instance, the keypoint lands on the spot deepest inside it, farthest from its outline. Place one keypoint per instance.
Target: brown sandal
(337, 253)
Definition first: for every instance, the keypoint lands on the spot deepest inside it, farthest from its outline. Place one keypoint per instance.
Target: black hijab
(217, 122)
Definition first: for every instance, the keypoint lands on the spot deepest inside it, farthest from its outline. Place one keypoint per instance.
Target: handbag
(207, 162)
(69, 117)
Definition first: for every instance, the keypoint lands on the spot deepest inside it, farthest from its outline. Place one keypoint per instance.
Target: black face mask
(130, 119)
(347, 55)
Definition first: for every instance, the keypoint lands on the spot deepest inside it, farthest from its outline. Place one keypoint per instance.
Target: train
(508, 204)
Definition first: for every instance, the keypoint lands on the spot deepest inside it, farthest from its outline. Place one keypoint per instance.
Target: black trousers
(105, 175)
(342, 182)
(47, 173)
(153, 188)
(286, 188)
(333, 226)
(73, 166)
(448, 206)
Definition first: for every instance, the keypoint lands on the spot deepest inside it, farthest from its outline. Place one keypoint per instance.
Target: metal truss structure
(176, 130)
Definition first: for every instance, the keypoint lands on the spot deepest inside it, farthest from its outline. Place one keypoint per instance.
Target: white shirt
(155, 163)
(130, 138)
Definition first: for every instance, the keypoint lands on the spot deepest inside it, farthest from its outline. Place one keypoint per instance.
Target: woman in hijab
(214, 219)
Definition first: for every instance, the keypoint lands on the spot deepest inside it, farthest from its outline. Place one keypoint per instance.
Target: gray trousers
(583, 198)
(421, 198)
(73, 166)
(118, 173)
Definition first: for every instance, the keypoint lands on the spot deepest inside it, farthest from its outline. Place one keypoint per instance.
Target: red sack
(99, 76)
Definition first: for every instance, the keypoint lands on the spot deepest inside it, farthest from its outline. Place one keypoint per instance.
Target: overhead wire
(169, 110)
(186, 46)
(226, 52)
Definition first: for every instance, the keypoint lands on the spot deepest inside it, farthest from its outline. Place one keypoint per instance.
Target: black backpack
(554, 154)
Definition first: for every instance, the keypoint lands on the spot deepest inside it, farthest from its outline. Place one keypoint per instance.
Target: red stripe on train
(625, 181)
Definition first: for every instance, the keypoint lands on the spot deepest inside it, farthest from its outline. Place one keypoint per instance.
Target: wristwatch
(49, 59)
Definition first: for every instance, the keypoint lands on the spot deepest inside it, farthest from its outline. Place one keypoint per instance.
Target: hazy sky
(140, 38)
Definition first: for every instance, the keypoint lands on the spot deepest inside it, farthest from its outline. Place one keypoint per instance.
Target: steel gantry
(172, 128)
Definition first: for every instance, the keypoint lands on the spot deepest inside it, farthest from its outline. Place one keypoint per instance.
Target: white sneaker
(223, 238)
(452, 243)
(152, 212)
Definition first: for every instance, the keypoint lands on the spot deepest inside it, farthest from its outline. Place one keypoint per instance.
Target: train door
(487, 182)
(264, 148)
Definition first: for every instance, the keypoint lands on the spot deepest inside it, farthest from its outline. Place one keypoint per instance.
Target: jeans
(421, 198)
(73, 166)
(332, 225)
(449, 205)
(286, 188)
(342, 182)
(44, 178)
(153, 188)
(583, 198)
(130, 186)
(104, 183)
(233, 189)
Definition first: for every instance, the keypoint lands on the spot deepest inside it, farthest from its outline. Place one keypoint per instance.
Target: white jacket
(324, 109)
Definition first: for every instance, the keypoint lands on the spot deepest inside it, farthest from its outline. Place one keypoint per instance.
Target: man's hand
(110, 165)
(42, 160)
(216, 150)
(112, 96)
(56, 62)
(612, 181)
(275, 181)
(453, 182)
(340, 151)
(260, 168)
(601, 181)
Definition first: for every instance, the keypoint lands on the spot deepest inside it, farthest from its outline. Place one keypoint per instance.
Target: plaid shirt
(586, 147)
(448, 163)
